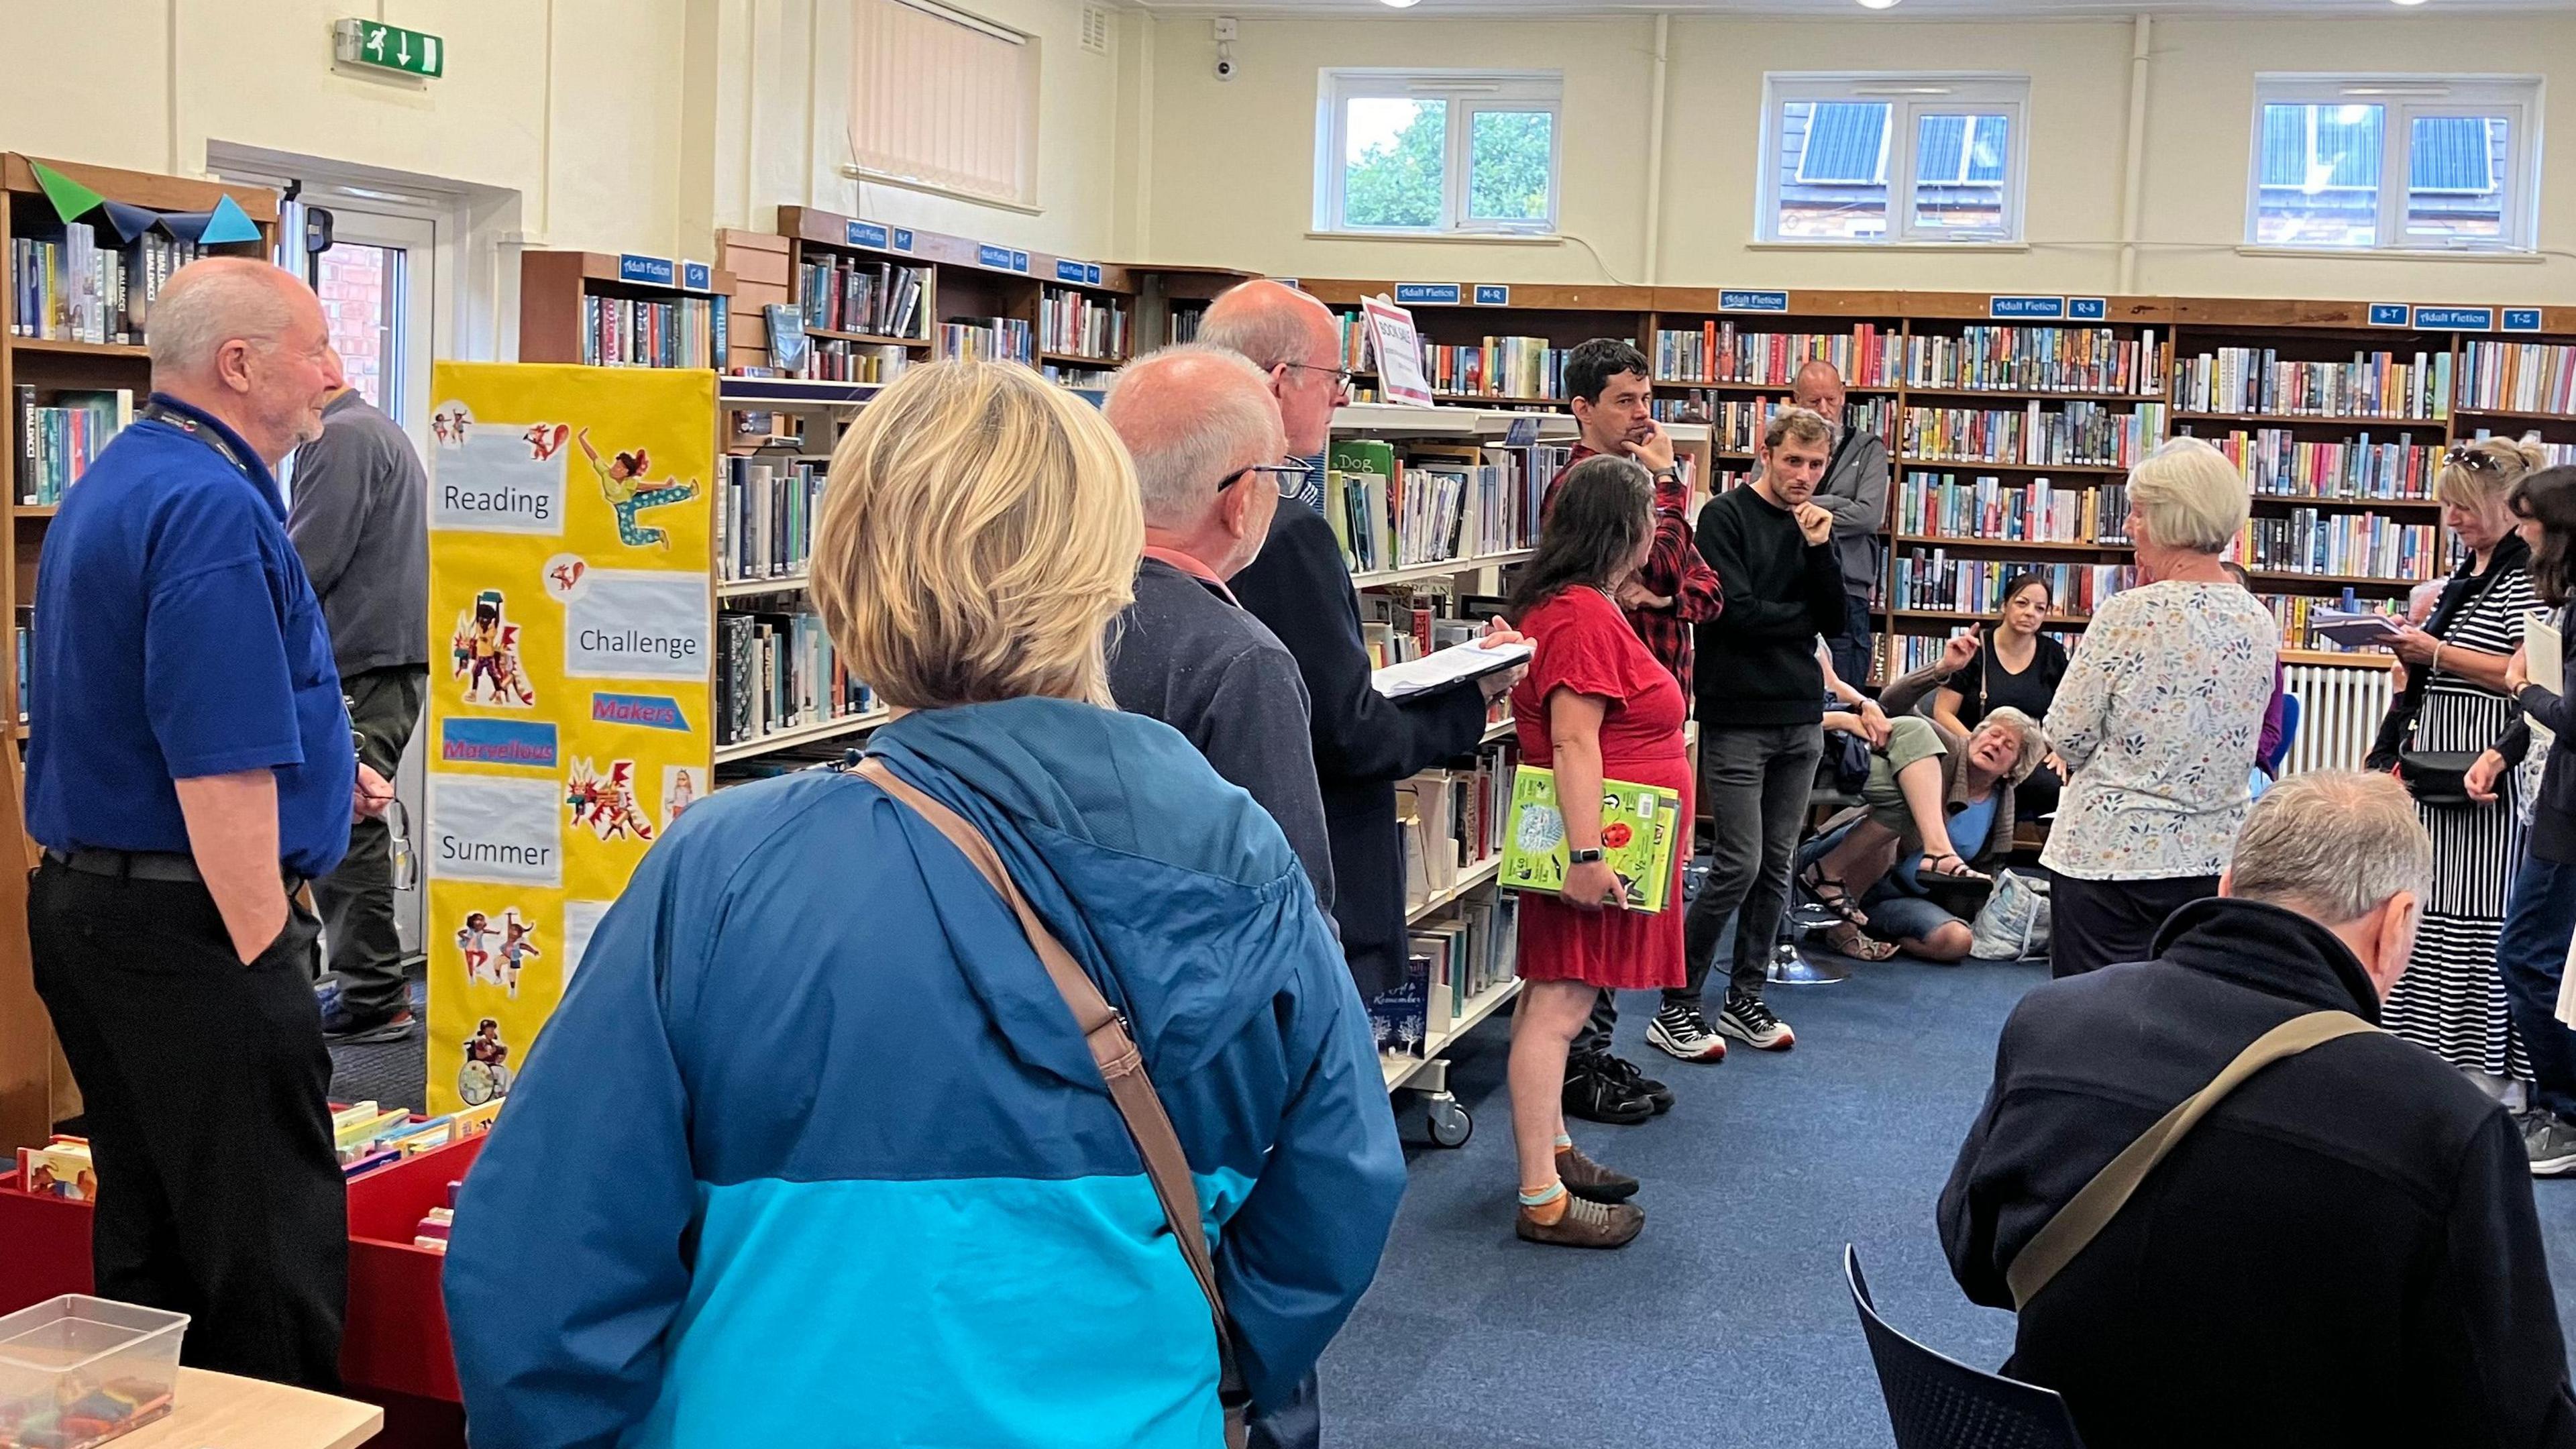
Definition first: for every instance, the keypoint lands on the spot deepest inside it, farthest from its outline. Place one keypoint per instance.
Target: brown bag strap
(1122, 1067)
(2091, 1210)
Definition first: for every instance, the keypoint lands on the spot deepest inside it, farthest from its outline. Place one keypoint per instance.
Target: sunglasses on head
(2474, 459)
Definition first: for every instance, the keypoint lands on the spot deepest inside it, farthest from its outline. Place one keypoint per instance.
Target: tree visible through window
(1438, 151)
(1395, 179)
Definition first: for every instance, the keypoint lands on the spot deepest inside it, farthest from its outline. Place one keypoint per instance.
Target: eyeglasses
(1341, 376)
(1288, 478)
(2476, 460)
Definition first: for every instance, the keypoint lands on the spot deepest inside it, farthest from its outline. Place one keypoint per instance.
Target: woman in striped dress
(2450, 1001)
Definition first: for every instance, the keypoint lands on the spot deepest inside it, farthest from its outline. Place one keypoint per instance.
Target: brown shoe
(1586, 1178)
(1586, 1224)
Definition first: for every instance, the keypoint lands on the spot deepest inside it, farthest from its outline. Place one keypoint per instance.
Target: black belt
(161, 865)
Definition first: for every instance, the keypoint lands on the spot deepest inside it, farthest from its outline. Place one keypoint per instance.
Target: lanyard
(189, 424)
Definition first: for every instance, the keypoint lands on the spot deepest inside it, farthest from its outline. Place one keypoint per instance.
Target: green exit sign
(390, 47)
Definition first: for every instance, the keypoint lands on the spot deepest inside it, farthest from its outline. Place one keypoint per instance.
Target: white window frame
(2403, 100)
(1468, 92)
(1908, 95)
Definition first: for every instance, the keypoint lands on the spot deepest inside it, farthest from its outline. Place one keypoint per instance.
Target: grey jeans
(1755, 781)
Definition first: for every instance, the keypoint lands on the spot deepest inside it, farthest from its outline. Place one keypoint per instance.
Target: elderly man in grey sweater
(1210, 464)
(1854, 491)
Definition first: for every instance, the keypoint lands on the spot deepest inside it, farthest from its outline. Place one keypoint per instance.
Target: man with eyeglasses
(1207, 443)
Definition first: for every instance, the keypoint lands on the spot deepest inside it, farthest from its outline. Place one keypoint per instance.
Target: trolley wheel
(1451, 1124)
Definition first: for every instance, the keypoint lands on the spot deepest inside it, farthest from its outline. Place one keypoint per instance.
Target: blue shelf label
(1091, 273)
(2088, 309)
(1287, 282)
(697, 276)
(2387, 314)
(903, 239)
(993, 256)
(1426, 293)
(1068, 271)
(653, 271)
(2456, 319)
(1488, 295)
(868, 234)
(1019, 261)
(1753, 301)
(2026, 308)
(2521, 319)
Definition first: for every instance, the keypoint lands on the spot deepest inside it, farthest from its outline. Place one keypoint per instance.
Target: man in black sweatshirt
(1761, 710)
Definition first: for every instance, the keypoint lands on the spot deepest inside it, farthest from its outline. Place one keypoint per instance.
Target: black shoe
(340, 1028)
(1626, 1073)
(1595, 1095)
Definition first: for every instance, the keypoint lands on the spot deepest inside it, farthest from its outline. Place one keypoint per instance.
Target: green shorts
(1910, 738)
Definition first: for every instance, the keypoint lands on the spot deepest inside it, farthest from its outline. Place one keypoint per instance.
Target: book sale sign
(571, 640)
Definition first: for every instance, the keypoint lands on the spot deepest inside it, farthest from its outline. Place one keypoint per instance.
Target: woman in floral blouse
(2158, 718)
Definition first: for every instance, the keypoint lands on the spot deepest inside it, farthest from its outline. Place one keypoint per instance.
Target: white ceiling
(1849, 9)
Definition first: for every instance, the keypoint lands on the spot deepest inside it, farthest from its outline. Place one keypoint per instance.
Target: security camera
(1225, 67)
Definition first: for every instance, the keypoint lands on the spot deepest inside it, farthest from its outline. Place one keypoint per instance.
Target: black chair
(1936, 1402)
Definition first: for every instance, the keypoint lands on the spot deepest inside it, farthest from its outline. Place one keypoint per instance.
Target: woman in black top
(2531, 953)
(2018, 666)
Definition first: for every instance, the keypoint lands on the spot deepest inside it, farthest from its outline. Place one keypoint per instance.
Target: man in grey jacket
(1855, 493)
(360, 522)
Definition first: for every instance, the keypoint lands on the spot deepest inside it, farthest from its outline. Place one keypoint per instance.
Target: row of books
(765, 513)
(994, 339)
(2038, 359)
(1505, 367)
(368, 1135)
(2552, 455)
(1080, 379)
(1934, 579)
(1081, 324)
(880, 299)
(1181, 324)
(2075, 434)
(1454, 820)
(1359, 349)
(777, 671)
(627, 332)
(2528, 377)
(57, 443)
(1721, 352)
(1404, 623)
(2347, 545)
(2260, 380)
(2296, 613)
(70, 289)
(1433, 503)
(1939, 504)
(2279, 463)
(1918, 651)
(836, 359)
(1453, 965)
(1736, 424)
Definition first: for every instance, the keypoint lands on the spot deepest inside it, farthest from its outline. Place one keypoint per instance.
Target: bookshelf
(622, 310)
(38, 371)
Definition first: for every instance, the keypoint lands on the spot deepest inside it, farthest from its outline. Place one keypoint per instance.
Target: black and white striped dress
(2450, 1001)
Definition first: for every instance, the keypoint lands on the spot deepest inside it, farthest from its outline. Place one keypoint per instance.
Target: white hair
(210, 303)
(2190, 496)
(1185, 414)
(2033, 738)
(2332, 844)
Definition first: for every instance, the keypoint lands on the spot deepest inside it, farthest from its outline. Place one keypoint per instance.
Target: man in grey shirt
(360, 522)
(1855, 493)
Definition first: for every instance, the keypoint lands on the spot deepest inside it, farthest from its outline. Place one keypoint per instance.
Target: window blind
(942, 99)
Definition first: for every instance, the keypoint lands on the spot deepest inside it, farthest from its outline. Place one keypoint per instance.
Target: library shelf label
(639, 624)
(644, 711)
(1083, 274)
(2455, 319)
(1490, 294)
(1739, 301)
(650, 271)
(696, 276)
(2088, 309)
(993, 256)
(2387, 314)
(2026, 309)
(867, 234)
(2521, 319)
(903, 238)
(1422, 294)
(500, 831)
(488, 480)
(510, 743)
(1019, 261)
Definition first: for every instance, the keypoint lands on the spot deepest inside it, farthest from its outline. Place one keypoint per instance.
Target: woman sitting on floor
(1937, 806)
(2007, 662)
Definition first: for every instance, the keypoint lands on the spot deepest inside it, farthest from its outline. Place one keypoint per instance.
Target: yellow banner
(569, 544)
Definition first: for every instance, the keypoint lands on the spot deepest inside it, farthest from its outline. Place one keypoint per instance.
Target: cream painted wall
(2198, 138)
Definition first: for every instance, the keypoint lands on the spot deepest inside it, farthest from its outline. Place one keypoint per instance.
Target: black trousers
(205, 1085)
(357, 900)
(2098, 923)
(1854, 646)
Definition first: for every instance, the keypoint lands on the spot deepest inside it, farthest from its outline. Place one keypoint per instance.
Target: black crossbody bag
(2439, 777)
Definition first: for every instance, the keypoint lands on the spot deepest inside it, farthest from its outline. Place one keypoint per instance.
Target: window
(941, 101)
(2406, 163)
(1892, 158)
(1437, 151)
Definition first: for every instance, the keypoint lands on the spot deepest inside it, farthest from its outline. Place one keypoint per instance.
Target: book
(1641, 826)
(632, 332)
(1442, 668)
(61, 1168)
(789, 351)
(2037, 359)
(2259, 380)
(1082, 325)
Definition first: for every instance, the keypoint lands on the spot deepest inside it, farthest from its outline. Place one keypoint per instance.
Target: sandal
(1961, 872)
(1814, 881)
(1847, 940)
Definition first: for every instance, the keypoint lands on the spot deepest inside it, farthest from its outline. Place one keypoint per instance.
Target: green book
(1640, 827)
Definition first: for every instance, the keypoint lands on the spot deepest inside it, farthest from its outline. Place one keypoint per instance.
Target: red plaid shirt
(1673, 569)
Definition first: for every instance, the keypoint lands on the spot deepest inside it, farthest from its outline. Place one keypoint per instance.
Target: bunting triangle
(229, 223)
(71, 199)
(130, 222)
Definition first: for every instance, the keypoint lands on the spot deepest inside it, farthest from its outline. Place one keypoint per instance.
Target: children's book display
(1640, 827)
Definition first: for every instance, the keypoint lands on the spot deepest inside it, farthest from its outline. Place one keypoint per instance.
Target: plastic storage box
(77, 1371)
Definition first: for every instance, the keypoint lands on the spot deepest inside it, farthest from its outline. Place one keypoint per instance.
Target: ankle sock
(1547, 1205)
(1563, 1142)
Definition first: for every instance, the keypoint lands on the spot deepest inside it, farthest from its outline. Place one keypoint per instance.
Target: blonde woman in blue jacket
(813, 1151)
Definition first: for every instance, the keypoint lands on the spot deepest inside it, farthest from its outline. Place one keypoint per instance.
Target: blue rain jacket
(812, 1152)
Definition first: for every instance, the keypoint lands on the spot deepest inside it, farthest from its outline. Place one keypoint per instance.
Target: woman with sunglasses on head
(2013, 665)
(2451, 1001)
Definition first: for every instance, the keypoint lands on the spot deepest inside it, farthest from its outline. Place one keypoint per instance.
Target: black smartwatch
(1583, 857)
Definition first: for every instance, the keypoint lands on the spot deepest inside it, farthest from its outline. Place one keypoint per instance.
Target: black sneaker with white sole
(2551, 1142)
(1596, 1094)
(1627, 1074)
(1749, 1020)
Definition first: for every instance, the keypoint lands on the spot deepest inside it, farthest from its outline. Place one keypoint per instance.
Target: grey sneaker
(2551, 1142)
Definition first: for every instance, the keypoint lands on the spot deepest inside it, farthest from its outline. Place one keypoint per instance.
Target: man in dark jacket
(1364, 742)
(2343, 1252)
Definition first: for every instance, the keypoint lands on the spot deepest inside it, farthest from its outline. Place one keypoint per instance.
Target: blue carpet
(1726, 1322)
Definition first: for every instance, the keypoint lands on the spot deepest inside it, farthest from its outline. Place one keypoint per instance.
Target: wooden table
(220, 1411)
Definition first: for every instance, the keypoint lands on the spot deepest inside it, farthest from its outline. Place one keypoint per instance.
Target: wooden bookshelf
(555, 289)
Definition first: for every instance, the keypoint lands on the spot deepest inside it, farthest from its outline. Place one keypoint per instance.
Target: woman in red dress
(1595, 706)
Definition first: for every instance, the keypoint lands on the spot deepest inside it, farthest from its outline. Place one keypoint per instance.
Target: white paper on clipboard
(1399, 353)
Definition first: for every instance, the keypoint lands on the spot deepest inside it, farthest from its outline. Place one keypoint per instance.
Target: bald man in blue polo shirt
(190, 765)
